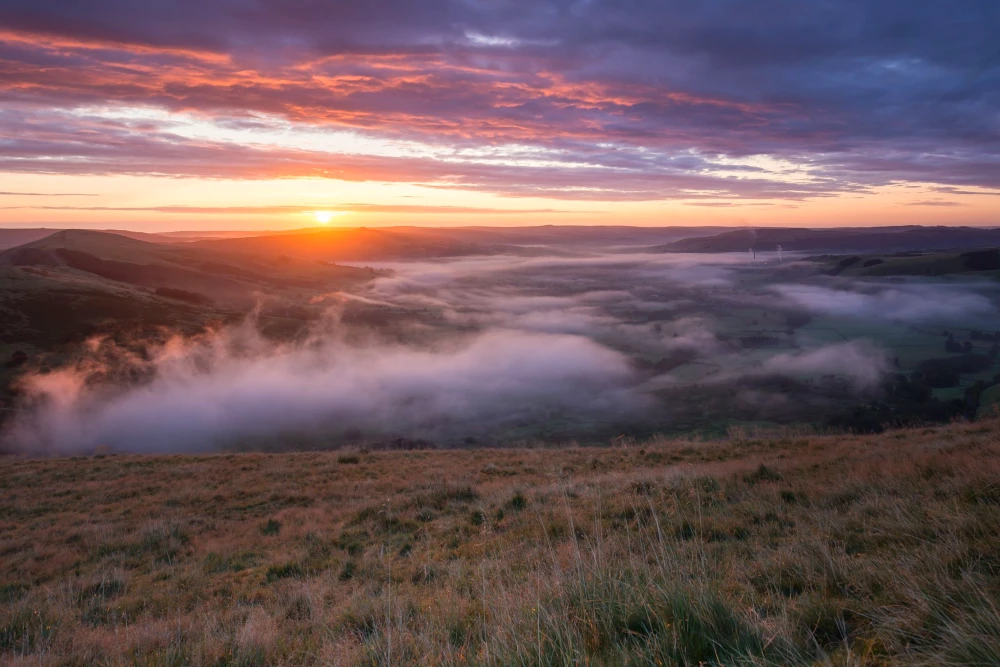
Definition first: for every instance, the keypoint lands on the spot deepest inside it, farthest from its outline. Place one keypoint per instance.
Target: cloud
(48, 194)
(934, 202)
(272, 210)
(47, 141)
(951, 190)
(859, 360)
(903, 302)
(662, 100)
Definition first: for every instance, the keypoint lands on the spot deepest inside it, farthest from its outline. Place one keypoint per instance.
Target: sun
(323, 217)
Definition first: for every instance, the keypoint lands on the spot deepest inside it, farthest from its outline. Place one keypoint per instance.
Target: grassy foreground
(788, 550)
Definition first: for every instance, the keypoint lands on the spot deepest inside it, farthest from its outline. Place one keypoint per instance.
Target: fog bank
(210, 391)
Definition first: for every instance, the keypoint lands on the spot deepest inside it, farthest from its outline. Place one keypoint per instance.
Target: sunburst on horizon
(324, 217)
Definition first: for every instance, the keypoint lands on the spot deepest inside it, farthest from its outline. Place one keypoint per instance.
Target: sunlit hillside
(764, 549)
(343, 244)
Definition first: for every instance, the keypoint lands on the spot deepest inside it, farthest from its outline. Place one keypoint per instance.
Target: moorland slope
(763, 549)
(861, 240)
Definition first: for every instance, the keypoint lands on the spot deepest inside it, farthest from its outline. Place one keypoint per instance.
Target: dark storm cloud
(859, 93)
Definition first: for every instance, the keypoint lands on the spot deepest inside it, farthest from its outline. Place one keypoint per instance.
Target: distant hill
(11, 238)
(187, 236)
(859, 240)
(574, 235)
(350, 245)
(216, 274)
(556, 235)
(983, 262)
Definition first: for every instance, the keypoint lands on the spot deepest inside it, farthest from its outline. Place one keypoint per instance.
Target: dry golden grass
(795, 550)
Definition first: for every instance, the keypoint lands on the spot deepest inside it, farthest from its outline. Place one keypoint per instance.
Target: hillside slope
(558, 236)
(873, 240)
(766, 550)
(348, 245)
(11, 238)
(60, 290)
(218, 275)
(985, 263)
(47, 312)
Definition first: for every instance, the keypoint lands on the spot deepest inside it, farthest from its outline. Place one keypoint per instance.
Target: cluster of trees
(909, 399)
(982, 260)
(843, 264)
(905, 401)
(954, 347)
(973, 393)
(986, 336)
(947, 371)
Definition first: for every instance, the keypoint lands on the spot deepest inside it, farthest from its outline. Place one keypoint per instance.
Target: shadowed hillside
(218, 275)
(11, 238)
(58, 291)
(573, 235)
(780, 549)
(872, 240)
(985, 262)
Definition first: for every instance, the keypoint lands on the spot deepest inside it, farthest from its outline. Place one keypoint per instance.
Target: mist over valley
(479, 344)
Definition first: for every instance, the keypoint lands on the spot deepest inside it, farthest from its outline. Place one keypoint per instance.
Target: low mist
(212, 390)
(490, 350)
(913, 302)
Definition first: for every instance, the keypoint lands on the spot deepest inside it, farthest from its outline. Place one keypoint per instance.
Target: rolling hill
(985, 262)
(349, 245)
(11, 238)
(573, 235)
(228, 277)
(873, 240)
(57, 291)
(481, 235)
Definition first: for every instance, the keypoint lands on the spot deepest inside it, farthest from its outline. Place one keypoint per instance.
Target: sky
(276, 114)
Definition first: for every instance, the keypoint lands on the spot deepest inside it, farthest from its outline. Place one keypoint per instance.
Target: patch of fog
(208, 391)
(860, 360)
(685, 268)
(912, 302)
